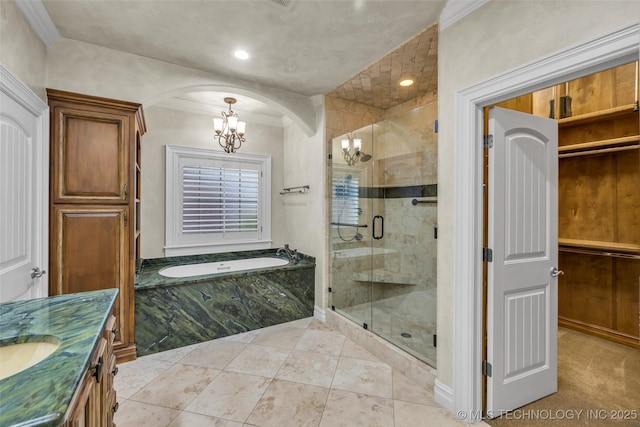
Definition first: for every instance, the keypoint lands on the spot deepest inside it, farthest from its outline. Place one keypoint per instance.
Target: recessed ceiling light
(241, 54)
(406, 82)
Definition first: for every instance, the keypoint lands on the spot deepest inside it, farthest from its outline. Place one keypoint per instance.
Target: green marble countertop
(40, 395)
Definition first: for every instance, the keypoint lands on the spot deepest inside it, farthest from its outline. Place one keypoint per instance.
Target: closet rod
(601, 151)
(597, 252)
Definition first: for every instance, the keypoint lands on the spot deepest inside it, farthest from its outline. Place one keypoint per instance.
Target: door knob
(555, 272)
(36, 272)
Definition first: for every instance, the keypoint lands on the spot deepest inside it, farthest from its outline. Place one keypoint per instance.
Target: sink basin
(21, 353)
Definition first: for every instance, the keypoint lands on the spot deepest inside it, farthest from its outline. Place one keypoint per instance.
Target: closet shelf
(607, 114)
(599, 245)
(613, 142)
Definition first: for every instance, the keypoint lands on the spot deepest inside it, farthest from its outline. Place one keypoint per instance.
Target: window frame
(178, 243)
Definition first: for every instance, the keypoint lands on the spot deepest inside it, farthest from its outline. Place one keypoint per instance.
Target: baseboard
(320, 314)
(443, 395)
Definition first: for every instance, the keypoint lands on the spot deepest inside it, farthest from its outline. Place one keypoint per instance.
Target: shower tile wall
(406, 155)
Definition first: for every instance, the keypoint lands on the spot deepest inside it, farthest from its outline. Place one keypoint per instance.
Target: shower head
(365, 157)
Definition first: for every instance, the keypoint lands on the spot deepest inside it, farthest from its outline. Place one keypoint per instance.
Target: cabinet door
(90, 251)
(89, 155)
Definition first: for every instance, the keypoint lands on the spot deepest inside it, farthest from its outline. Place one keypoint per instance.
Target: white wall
(173, 127)
(21, 50)
(94, 70)
(498, 37)
(305, 219)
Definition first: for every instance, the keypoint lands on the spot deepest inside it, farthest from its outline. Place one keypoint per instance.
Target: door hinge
(487, 255)
(435, 341)
(330, 156)
(435, 126)
(486, 368)
(330, 290)
(435, 232)
(487, 142)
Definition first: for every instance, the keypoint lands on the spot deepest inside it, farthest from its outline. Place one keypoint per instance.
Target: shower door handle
(381, 227)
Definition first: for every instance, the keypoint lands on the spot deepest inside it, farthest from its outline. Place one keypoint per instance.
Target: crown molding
(40, 21)
(286, 121)
(455, 10)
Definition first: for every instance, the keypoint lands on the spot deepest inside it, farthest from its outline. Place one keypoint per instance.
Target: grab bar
(349, 225)
(414, 202)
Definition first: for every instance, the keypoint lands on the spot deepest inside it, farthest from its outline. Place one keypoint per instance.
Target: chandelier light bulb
(233, 122)
(241, 127)
(217, 125)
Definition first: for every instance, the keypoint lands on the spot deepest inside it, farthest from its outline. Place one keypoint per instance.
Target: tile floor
(300, 373)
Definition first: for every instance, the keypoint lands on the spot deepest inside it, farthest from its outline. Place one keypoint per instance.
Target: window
(216, 202)
(345, 207)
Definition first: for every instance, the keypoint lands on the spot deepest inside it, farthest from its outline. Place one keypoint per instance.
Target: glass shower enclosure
(384, 229)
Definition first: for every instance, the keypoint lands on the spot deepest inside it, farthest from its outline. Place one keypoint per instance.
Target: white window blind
(216, 202)
(219, 199)
(345, 208)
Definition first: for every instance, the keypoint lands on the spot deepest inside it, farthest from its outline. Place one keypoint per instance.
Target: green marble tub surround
(175, 312)
(41, 394)
(148, 276)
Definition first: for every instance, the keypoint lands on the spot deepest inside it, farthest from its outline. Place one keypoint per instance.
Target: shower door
(350, 229)
(383, 235)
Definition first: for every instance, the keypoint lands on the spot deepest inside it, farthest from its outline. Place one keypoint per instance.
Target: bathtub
(186, 300)
(191, 270)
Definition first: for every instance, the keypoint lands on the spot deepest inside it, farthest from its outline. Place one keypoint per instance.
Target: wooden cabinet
(94, 403)
(95, 201)
(599, 206)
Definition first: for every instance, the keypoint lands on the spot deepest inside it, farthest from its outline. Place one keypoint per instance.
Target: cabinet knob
(115, 407)
(115, 331)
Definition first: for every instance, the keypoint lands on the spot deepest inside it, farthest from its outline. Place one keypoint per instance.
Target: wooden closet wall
(94, 202)
(598, 201)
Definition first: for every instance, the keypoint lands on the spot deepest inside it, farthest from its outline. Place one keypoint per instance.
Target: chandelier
(347, 145)
(229, 131)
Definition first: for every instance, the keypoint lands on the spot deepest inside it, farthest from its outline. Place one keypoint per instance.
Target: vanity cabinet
(94, 403)
(95, 201)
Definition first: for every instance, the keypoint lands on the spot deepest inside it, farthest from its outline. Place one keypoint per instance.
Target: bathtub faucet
(291, 254)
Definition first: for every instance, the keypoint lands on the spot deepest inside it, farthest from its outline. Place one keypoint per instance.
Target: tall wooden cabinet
(94, 201)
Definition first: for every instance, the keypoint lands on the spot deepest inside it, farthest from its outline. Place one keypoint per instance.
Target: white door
(522, 284)
(23, 207)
